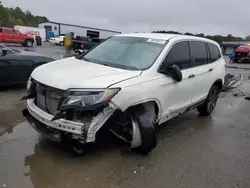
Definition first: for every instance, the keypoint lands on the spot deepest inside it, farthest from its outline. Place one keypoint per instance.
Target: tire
(61, 43)
(210, 103)
(146, 128)
(29, 43)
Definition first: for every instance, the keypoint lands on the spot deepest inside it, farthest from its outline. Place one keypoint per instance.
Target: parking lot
(192, 151)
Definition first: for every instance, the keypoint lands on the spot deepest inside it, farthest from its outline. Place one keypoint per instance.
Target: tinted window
(179, 55)
(214, 53)
(199, 53)
(1, 30)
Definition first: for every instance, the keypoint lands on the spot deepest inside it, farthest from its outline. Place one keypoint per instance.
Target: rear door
(8, 35)
(202, 69)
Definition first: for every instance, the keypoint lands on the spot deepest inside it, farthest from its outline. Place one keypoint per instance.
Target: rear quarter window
(214, 52)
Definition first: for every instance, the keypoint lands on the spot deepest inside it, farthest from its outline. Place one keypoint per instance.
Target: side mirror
(172, 71)
(3, 51)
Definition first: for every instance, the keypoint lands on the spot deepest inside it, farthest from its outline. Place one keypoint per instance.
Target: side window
(214, 52)
(15, 32)
(7, 31)
(199, 53)
(1, 30)
(179, 55)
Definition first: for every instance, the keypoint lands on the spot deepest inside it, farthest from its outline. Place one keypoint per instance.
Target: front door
(176, 96)
(17, 36)
(20, 70)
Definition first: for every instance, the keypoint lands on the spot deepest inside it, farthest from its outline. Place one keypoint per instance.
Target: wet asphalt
(192, 151)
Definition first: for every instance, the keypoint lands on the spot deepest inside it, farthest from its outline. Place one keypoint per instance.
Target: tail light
(82, 45)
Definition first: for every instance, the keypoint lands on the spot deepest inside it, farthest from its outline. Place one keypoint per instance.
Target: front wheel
(142, 132)
(29, 43)
(210, 103)
(61, 43)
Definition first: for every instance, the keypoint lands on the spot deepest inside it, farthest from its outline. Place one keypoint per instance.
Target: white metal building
(62, 28)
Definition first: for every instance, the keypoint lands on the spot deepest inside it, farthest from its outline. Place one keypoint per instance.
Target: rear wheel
(210, 103)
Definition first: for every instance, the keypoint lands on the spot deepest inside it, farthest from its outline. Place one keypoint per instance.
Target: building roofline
(59, 23)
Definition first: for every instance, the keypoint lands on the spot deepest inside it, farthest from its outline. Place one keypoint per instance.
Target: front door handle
(210, 70)
(191, 76)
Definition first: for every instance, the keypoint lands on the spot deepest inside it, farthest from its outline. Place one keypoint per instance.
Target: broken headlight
(87, 97)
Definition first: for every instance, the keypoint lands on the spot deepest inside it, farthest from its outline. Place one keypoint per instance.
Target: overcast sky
(196, 16)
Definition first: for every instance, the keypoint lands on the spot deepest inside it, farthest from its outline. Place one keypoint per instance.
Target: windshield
(127, 52)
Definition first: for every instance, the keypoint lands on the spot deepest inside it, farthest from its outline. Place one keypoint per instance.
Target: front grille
(48, 98)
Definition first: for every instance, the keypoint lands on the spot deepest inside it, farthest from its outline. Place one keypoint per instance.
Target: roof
(59, 23)
(166, 36)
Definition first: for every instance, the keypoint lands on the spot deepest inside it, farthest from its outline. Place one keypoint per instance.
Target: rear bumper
(246, 58)
(42, 122)
(54, 41)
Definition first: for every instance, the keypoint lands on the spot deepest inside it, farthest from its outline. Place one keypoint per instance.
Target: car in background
(10, 35)
(242, 54)
(82, 44)
(58, 40)
(16, 66)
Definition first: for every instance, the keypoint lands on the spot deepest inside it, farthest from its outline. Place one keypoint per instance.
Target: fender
(145, 101)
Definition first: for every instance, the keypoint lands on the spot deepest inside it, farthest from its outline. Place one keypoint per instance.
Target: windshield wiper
(85, 59)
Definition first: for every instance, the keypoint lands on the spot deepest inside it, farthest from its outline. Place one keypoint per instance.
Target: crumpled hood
(74, 73)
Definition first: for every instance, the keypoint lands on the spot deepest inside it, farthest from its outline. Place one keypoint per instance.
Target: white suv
(128, 84)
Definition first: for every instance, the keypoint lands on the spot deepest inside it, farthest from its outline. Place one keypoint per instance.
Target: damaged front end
(75, 113)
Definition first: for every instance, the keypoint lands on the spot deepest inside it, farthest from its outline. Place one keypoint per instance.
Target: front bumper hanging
(44, 123)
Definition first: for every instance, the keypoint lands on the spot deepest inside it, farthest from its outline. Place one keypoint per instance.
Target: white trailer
(29, 30)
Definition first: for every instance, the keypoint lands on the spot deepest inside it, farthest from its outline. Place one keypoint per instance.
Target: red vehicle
(242, 53)
(10, 35)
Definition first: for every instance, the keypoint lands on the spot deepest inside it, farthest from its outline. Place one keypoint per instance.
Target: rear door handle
(191, 76)
(210, 70)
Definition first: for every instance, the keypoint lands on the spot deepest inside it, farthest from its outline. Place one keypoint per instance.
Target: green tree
(15, 16)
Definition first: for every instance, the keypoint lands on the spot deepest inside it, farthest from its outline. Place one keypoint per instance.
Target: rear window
(199, 53)
(214, 52)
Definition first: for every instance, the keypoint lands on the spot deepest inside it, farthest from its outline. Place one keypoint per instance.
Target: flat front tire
(146, 129)
(210, 103)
